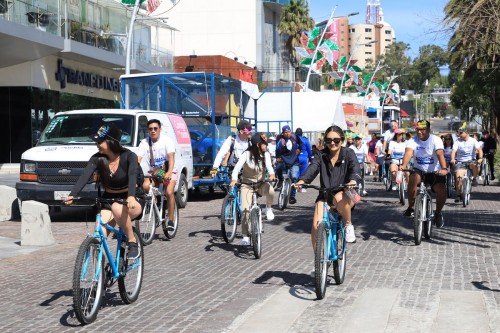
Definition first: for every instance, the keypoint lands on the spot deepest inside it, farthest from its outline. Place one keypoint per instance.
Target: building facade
(62, 55)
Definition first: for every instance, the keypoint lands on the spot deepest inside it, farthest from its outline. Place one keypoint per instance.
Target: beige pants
(246, 202)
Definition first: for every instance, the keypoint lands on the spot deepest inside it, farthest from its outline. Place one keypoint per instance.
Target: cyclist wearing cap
(254, 163)
(233, 146)
(463, 155)
(397, 148)
(159, 152)
(429, 166)
(288, 149)
(117, 170)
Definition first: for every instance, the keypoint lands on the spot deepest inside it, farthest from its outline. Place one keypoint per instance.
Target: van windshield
(77, 128)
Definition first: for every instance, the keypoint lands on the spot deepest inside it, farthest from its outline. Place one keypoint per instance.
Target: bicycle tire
(449, 185)
(321, 255)
(130, 280)
(228, 219)
(486, 174)
(255, 232)
(170, 231)
(387, 183)
(146, 225)
(465, 184)
(284, 195)
(401, 188)
(340, 264)
(428, 222)
(87, 300)
(418, 218)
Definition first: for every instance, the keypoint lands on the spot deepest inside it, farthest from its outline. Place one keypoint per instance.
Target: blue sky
(416, 22)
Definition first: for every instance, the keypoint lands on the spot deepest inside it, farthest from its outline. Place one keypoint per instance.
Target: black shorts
(124, 196)
(430, 178)
(329, 197)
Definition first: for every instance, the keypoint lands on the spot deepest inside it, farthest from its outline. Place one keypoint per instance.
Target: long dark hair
(256, 154)
(103, 171)
(336, 129)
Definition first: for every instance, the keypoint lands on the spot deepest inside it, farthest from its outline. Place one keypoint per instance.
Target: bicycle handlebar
(328, 189)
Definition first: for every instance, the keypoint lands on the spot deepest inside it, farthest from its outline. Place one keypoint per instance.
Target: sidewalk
(9, 168)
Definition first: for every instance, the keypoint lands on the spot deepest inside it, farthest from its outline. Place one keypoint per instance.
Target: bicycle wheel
(428, 221)
(88, 281)
(418, 219)
(130, 280)
(255, 234)
(170, 230)
(228, 219)
(284, 194)
(146, 225)
(449, 185)
(387, 183)
(486, 174)
(321, 261)
(401, 188)
(465, 191)
(340, 263)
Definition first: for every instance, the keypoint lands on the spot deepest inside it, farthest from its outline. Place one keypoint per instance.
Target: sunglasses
(447, 139)
(334, 140)
(153, 128)
(420, 129)
(247, 130)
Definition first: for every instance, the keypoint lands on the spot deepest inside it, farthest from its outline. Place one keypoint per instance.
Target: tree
(475, 48)
(426, 67)
(293, 20)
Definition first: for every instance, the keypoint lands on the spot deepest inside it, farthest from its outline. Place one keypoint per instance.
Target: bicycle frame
(332, 223)
(236, 207)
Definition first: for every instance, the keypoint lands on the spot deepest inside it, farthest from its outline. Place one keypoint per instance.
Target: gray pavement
(197, 283)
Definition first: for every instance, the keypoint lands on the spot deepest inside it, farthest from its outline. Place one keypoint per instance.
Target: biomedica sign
(67, 75)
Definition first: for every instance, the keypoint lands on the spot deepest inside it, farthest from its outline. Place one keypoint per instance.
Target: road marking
(370, 312)
(275, 314)
(461, 311)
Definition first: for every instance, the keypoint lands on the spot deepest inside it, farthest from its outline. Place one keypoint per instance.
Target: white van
(49, 170)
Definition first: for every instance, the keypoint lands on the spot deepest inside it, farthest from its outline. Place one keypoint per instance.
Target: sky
(416, 22)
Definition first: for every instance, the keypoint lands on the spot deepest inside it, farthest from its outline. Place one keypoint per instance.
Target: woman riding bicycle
(336, 165)
(255, 162)
(117, 171)
(397, 148)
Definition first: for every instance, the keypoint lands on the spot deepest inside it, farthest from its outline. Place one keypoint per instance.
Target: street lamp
(315, 53)
(349, 61)
(377, 68)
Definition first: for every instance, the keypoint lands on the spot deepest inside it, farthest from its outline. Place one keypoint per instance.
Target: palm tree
(475, 45)
(293, 20)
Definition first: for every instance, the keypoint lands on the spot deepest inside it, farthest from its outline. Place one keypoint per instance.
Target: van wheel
(181, 196)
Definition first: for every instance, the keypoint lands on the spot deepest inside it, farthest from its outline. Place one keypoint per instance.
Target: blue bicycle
(331, 247)
(92, 273)
(230, 215)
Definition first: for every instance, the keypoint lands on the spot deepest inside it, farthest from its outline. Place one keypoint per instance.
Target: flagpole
(129, 51)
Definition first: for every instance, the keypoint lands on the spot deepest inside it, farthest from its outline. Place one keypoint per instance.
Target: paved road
(197, 283)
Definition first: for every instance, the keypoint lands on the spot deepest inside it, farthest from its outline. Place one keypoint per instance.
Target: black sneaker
(132, 251)
(170, 225)
(439, 220)
(474, 182)
(492, 177)
(457, 199)
(292, 201)
(410, 212)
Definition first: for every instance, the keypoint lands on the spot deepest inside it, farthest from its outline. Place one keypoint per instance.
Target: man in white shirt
(233, 147)
(162, 149)
(361, 151)
(429, 166)
(389, 134)
(463, 154)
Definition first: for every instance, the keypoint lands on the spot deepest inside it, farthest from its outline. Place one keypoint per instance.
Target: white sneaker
(371, 173)
(350, 237)
(269, 214)
(365, 193)
(303, 190)
(394, 187)
(245, 241)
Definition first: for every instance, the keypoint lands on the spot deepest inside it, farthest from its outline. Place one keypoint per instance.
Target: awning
(369, 110)
(404, 113)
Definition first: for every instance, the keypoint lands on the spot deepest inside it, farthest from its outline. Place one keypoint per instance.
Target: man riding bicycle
(429, 166)
(233, 147)
(288, 148)
(159, 152)
(463, 155)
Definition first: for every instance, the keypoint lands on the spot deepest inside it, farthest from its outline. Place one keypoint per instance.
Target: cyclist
(117, 169)
(305, 155)
(397, 148)
(463, 155)
(379, 153)
(489, 150)
(389, 134)
(361, 152)
(288, 149)
(159, 152)
(233, 147)
(254, 163)
(271, 148)
(372, 157)
(336, 165)
(429, 166)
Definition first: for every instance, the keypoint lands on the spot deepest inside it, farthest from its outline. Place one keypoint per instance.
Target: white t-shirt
(161, 149)
(379, 145)
(360, 153)
(425, 153)
(388, 135)
(465, 150)
(238, 149)
(398, 151)
(252, 171)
